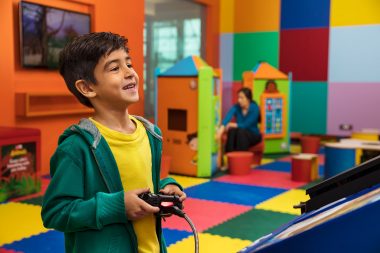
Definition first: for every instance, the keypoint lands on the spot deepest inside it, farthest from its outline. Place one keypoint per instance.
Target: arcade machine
(271, 90)
(340, 216)
(188, 111)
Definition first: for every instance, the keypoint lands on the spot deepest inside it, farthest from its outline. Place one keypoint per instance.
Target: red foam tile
(2, 250)
(321, 159)
(204, 214)
(286, 159)
(266, 178)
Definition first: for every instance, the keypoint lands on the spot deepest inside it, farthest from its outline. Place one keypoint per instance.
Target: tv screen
(45, 31)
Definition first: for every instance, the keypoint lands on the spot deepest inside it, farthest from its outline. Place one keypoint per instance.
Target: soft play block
(174, 235)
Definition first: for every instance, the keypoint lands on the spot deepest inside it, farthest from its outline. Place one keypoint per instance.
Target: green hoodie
(85, 198)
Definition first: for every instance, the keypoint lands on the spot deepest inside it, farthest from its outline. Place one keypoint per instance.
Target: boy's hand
(172, 189)
(137, 208)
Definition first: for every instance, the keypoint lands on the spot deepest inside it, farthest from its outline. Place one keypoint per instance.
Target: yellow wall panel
(257, 16)
(354, 12)
(227, 16)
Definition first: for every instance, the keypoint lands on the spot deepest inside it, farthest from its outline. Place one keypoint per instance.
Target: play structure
(188, 111)
(271, 90)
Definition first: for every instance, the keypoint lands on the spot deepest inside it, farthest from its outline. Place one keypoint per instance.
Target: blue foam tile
(49, 242)
(173, 235)
(232, 193)
(277, 166)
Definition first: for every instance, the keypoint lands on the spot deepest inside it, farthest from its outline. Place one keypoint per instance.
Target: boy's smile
(117, 82)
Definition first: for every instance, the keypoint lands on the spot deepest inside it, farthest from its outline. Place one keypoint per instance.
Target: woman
(243, 133)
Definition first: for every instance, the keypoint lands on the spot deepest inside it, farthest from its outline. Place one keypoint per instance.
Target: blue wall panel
(305, 14)
(226, 51)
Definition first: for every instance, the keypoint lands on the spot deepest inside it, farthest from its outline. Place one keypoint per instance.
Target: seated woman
(243, 133)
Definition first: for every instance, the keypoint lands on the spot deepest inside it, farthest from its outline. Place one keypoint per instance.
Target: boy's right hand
(137, 208)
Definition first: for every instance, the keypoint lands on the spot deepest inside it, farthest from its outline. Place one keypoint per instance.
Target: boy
(102, 164)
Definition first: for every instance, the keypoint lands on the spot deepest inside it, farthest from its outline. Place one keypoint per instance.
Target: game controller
(168, 204)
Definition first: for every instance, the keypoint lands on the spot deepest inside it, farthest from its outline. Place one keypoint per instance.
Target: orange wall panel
(257, 16)
(124, 17)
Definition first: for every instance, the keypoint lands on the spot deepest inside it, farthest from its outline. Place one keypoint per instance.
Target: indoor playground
(310, 183)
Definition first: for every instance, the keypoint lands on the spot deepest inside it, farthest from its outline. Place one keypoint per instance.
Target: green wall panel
(249, 48)
(309, 107)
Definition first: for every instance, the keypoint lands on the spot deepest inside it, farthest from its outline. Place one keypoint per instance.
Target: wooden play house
(271, 90)
(188, 111)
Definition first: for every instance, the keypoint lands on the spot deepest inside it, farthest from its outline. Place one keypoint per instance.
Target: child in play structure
(243, 133)
(103, 163)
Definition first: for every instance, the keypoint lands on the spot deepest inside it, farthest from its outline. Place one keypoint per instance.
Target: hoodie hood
(91, 134)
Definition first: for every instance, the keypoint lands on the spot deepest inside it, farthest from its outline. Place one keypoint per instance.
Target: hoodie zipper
(109, 189)
(101, 172)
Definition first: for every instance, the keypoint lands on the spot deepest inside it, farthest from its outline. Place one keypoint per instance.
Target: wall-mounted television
(45, 30)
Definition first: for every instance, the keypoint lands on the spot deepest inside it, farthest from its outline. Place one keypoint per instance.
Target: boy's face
(117, 82)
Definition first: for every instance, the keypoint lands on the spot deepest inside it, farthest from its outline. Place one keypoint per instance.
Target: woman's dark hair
(79, 57)
(247, 93)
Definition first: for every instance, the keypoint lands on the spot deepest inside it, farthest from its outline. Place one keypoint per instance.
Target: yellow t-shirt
(134, 160)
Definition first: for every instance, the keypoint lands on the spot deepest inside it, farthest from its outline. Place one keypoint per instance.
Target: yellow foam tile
(295, 149)
(209, 243)
(19, 221)
(266, 161)
(284, 202)
(188, 181)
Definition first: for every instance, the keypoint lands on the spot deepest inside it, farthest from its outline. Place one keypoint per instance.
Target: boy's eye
(130, 65)
(115, 69)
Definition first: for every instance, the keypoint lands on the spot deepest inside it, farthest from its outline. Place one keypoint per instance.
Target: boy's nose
(128, 72)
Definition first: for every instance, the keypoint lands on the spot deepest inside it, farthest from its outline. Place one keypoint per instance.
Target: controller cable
(182, 214)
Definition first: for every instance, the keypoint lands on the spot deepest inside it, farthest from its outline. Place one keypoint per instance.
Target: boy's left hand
(172, 189)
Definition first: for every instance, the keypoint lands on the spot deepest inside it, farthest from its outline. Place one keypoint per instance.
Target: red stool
(257, 151)
(165, 165)
(310, 144)
(304, 167)
(239, 162)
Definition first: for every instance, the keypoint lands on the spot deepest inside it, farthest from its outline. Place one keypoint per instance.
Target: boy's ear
(85, 88)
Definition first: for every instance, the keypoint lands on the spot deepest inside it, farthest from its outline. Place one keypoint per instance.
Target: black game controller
(168, 204)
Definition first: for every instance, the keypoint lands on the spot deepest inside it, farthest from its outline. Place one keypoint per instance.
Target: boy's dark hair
(79, 57)
(247, 93)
